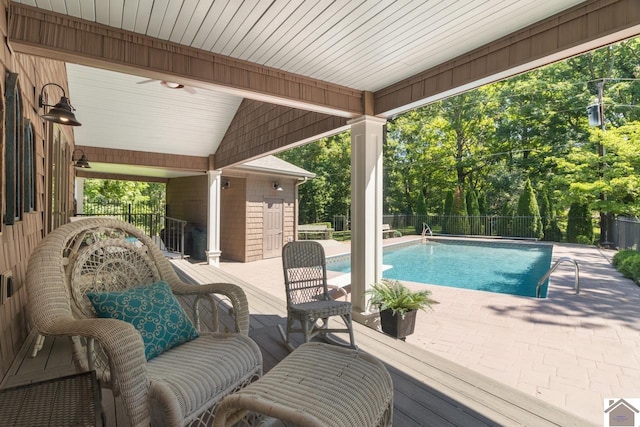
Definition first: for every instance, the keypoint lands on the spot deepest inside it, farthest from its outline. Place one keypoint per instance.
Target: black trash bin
(199, 243)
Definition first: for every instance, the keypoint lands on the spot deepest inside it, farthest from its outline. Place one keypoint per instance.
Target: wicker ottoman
(317, 385)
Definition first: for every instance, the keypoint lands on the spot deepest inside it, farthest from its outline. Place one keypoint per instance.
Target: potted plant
(398, 306)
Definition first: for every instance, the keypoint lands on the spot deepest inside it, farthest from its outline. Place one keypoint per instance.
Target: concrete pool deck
(572, 351)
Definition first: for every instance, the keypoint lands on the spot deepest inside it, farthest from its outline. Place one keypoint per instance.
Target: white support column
(79, 195)
(366, 210)
(213, 218)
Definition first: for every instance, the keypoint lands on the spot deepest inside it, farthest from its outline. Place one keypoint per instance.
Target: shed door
(272, 243)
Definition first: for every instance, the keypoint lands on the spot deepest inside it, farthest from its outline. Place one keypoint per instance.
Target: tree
(329, 193)
(448, 206)
(548, 218)
(527, 222)
(579, 224)
(473, 208)
(106, 191)
(585, 175)
(458, 215)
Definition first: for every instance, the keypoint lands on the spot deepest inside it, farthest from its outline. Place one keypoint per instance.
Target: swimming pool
(509, 268)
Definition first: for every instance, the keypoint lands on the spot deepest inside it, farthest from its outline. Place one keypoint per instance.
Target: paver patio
(570, 350)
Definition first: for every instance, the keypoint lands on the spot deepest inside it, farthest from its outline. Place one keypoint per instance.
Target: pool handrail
(576, 285)
(425, 228)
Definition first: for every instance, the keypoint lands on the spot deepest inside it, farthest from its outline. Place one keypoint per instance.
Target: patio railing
(167, 232)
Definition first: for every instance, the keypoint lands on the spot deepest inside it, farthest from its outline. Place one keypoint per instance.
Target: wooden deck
(428, 390)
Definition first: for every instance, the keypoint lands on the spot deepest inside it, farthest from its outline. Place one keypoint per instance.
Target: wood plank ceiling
(365, 45)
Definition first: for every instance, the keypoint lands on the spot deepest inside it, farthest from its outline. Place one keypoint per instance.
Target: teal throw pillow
(153, 310)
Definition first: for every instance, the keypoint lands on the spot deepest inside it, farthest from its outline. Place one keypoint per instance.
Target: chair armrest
(123, 344)
(232, 291)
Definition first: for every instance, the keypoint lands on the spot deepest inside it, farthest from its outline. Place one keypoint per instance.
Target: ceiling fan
(170, 85)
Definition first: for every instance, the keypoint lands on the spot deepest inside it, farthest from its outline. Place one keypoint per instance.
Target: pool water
(509, 268)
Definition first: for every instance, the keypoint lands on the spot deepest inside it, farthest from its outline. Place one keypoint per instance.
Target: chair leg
(349, 322)
(349, 328)
(37, 346)
(286, 336)
(306, 328)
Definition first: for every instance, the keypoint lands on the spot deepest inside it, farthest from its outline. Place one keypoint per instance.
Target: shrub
(622, 255)
(458, 219)
(579, 223)
(630, 268)
(553, 232)
(584, 240)
(393, 295)
(528, 207)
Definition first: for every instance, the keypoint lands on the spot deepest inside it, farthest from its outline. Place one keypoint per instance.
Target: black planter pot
(395, 325)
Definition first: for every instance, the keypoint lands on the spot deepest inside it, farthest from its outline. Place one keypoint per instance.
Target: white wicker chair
(308, 298)
(182, 386)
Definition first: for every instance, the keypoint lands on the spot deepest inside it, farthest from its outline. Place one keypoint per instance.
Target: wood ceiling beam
(585, 27)
(144, 158)
(48, 34)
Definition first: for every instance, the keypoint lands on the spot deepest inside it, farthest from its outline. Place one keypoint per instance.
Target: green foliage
(492, 139)
(329, 193)
(579, 224)
(105, 195)
(458, 221)
(546, 213)
(623, 254)
(393, 295)
(473, 207)
(527, 208)
(630, 268)
(482, 203)
(105, 190)
(553, 233)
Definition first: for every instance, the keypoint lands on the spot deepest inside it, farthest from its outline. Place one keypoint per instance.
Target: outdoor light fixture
(276, 186)
(225, 184)
(62, 112)
(80, 162)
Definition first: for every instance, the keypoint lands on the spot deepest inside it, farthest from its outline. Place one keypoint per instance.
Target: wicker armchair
(181, 386)
(308, 298)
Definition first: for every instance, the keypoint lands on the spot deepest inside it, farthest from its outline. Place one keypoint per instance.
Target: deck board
(428, 389)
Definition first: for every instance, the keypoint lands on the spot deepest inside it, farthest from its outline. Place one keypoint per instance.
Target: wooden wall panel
(17, 242)
(260, 128)
(187, 199)
(233, 220)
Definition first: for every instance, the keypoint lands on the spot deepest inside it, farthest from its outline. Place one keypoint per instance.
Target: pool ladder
(576, 285)
(426, 229)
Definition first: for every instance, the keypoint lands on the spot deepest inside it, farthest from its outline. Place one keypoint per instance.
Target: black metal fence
(168, 232)
(144, 215)
(482, 225)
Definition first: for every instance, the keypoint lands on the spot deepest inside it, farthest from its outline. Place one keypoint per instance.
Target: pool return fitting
(576, 285)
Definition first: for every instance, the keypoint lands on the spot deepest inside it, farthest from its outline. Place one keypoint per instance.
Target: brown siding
(144, 158)
(260, 187)
(233, 216)
(259, 128)
(18, 241)
(187, 199)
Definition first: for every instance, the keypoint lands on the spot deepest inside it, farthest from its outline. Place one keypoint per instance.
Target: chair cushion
(321, 309)
(153, 310)
(203, 370)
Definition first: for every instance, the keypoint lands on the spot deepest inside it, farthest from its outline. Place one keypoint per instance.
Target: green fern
(393, 295)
